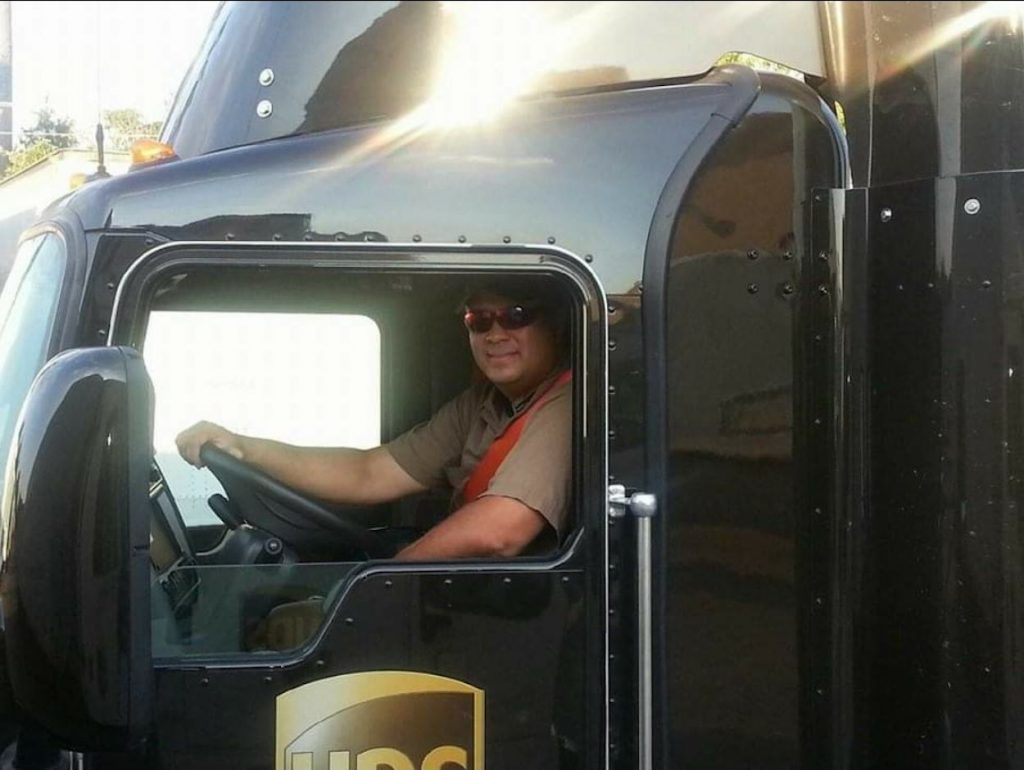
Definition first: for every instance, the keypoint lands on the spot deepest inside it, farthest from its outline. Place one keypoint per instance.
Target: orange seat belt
(496, 453)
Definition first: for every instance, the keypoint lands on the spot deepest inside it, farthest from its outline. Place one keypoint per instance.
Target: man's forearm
(335, 474)
(488, 527)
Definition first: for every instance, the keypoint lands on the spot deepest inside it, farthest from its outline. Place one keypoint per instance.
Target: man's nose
(496, 332)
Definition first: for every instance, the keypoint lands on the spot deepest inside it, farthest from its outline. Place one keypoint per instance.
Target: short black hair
(544, 292)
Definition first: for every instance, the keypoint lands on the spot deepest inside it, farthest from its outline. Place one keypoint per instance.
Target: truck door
(726, 298)
(278, 648)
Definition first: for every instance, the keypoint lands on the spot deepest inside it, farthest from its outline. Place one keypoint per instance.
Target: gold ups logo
(381, 720)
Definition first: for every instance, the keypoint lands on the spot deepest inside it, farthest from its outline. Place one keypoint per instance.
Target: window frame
(585, 548)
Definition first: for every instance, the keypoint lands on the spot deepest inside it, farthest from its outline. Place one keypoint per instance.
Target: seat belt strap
(499, 449)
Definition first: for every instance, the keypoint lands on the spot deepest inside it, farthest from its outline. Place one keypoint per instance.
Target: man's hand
(191, 440)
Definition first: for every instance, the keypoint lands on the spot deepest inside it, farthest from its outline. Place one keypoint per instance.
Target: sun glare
(493, 53)
(962, 26)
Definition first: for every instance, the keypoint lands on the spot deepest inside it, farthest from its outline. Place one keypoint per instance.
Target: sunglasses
(511, 318)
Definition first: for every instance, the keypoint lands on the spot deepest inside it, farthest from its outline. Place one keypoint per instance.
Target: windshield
(272, 69)
(28, 305)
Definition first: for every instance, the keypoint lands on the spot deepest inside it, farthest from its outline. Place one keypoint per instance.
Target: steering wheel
(301, 522)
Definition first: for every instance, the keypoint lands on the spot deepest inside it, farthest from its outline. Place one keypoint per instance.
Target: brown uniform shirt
(446, 448)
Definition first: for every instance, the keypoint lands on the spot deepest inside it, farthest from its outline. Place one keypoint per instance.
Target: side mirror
(74, 577)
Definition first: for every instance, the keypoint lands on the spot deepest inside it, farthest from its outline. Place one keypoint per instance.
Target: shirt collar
(512, 409)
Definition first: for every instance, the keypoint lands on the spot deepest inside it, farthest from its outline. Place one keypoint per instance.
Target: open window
(242, 564)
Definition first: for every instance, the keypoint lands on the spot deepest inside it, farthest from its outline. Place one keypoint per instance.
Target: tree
(124, 126)
(48, 135)
(58, 131)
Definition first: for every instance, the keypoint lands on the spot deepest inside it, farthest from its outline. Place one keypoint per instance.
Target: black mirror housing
(74, 580)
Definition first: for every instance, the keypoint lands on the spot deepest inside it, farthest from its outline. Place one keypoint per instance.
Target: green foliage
(28, 155)
(59, 132)
(123, 127)
(49, 134)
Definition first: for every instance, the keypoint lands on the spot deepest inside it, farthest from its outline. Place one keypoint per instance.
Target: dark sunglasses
(511, 318)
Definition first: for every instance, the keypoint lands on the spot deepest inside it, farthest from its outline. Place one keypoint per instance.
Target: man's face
(515, 360)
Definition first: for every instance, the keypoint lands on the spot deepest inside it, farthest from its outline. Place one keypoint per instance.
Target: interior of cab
(242, 564)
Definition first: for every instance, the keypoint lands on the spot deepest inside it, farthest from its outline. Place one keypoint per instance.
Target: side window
(306, 379)
(311, 379)
(28, 306)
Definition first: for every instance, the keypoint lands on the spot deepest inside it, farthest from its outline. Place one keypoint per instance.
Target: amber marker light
(145, 151)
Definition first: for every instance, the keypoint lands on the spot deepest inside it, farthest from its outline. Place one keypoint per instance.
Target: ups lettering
(441, 758)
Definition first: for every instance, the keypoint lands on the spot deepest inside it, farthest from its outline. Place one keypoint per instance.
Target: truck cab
(791, 311)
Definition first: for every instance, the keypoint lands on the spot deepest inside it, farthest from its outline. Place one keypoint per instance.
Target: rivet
(565, 578)
(611, 611)
(817, 511)
(752, 254)
(111, 286)
(266, 77)
(611, 390)
(611, 435)
(320, 663)
(350, 621)
(229, 236)
(611, 308)
(276, 236)
(268, 679)
(551, 239)
(339, 237)
(823, 290)
(588, 258)
(611, 701)
(149, 241)
(611, 656)
(307, 237)
(102, 332)
(506, 581)
(787, 288)
(986, 284)
(265, 108)
(818, 338)
(612, 345)
(507, 239)
(204, 682)
(752, 288)
(417, 238)
(886, 214)
(447, 581)
(388, 584)
(972, 206)
(823, 256)
(462, 239)
(787, 255)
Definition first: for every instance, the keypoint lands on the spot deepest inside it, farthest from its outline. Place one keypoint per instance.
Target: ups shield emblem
(381, 720)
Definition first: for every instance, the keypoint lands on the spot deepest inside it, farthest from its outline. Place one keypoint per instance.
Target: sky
(81, 58)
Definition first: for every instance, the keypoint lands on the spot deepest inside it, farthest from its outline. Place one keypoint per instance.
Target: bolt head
(886, 214)
(266, 77)
(265, 108)
(972, 206)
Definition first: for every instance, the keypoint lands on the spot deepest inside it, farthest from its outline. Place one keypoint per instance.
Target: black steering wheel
(303, 523)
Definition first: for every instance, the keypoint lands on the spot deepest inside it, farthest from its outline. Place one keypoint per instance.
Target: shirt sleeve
(426, 450)
(537, 470)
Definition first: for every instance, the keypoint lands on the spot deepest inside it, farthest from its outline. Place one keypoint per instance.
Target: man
(503, 446)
